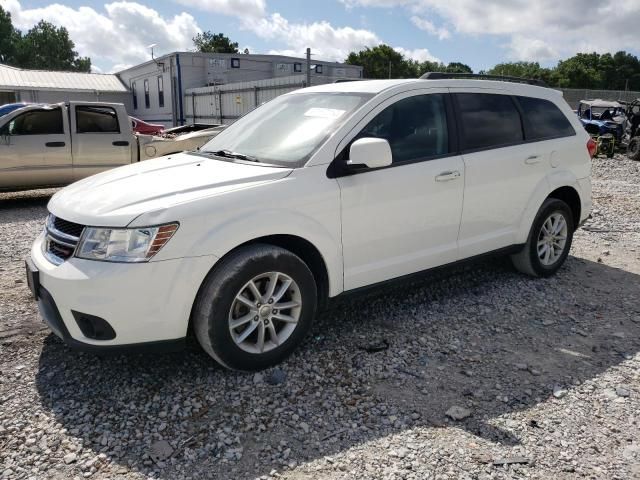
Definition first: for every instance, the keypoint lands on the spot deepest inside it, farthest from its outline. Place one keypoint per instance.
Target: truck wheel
(633, 150)
(549, 240)
(255, 307)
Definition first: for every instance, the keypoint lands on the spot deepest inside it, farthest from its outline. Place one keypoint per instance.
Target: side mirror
(370, 152)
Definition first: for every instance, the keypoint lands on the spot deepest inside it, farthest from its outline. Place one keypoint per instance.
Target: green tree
(580, 71)
(383, 61)
(9, 38)
(457, 67)
(48, 47)
(523, 69)
(208, 42)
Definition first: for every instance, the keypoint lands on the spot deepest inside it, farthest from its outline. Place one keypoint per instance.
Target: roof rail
(482, 76)
(343, 80)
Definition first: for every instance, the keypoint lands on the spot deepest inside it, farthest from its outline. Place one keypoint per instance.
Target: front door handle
(54, 144)
(532, 159)
(447, 176)
(120, 143)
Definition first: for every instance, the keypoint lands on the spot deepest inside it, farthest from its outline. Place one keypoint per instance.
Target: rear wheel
(633, 150)
(255, 307)
(549, 240)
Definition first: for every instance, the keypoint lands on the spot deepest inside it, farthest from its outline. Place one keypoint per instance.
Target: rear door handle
(54, 144)
(120, 143)
(447, 176)
(532, 159)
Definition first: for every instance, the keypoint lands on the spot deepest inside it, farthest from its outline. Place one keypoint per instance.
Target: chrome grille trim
(58, 246)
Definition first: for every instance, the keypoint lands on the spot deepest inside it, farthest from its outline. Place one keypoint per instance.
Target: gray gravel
(480, 373)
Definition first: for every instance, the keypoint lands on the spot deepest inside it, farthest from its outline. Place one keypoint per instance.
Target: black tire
(527, 261)
(218, 291)
(633, 149)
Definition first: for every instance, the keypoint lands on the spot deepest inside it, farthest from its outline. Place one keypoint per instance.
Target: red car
(140, 126)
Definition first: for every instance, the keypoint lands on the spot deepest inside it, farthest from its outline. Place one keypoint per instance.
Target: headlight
(124, 244)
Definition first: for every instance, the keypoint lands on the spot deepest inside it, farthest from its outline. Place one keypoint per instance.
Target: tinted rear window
(543, 120)
(488, 121)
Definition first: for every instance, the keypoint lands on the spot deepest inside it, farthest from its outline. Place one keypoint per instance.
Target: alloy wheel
(265, 312)
(552, 239)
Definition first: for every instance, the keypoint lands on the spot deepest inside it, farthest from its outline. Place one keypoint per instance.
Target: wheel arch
(307, 252)
(563, 186)
(297, 245)
(571, 197)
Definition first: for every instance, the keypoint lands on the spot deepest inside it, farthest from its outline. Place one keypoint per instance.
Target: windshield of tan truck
(287, 130)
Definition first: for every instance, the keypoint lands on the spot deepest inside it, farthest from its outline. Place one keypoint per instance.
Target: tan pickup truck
(57, 144)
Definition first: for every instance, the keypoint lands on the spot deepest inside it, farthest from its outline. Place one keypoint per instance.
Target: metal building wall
(226, 103)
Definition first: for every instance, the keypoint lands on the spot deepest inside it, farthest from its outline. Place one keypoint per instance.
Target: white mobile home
(159, 86)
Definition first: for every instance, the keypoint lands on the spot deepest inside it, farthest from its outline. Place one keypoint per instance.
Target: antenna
(151, 47)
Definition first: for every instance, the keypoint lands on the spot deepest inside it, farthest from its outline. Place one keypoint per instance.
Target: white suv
(315, 193)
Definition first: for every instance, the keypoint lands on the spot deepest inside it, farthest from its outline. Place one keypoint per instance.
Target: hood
(116, 197)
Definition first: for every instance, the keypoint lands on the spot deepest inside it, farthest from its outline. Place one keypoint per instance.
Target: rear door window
(488, 121)
(543, 120)
(96, 120)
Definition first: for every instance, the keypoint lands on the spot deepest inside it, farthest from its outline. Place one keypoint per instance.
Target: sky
(479, 33)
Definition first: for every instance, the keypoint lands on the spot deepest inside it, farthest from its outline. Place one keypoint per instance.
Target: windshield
(287, 130)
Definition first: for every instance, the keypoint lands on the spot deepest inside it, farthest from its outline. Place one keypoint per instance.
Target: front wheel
(549, 240)
(255, 307)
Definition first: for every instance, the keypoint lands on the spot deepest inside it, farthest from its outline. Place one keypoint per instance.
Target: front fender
(224, 237)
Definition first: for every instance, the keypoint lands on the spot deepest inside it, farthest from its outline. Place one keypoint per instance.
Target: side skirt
(423, 274)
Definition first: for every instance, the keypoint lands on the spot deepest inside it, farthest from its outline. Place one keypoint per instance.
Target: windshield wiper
(230, 154)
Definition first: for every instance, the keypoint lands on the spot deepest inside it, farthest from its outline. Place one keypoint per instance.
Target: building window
(160, 91)
(235, 63)
(135, 95)
(319, 69)
(147, 100)
(297, 67)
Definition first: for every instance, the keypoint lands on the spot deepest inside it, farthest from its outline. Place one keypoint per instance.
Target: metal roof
(19, 79)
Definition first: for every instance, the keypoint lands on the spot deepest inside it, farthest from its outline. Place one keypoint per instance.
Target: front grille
(62, 238)
(70, 228)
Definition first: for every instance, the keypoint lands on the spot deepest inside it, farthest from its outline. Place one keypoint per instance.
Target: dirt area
(481, 373)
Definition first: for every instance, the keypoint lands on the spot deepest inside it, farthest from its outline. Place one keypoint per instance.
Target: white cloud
(424, 24)
(535, 30)
(325, 40)
(117, 36)
(238, 8)
(418, 54)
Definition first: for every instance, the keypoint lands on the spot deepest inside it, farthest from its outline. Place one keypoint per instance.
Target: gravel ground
(480, 373)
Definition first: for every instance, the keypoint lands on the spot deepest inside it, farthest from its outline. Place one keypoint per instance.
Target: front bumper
(146, 304)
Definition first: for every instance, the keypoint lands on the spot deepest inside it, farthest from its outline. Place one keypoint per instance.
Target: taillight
(592, 147)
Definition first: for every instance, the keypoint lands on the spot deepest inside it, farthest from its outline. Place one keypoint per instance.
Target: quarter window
(543, 120)
(147, 100)
(415, 127)
(161, 91)
(96, 120)
(38, 122)
(488, 121)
